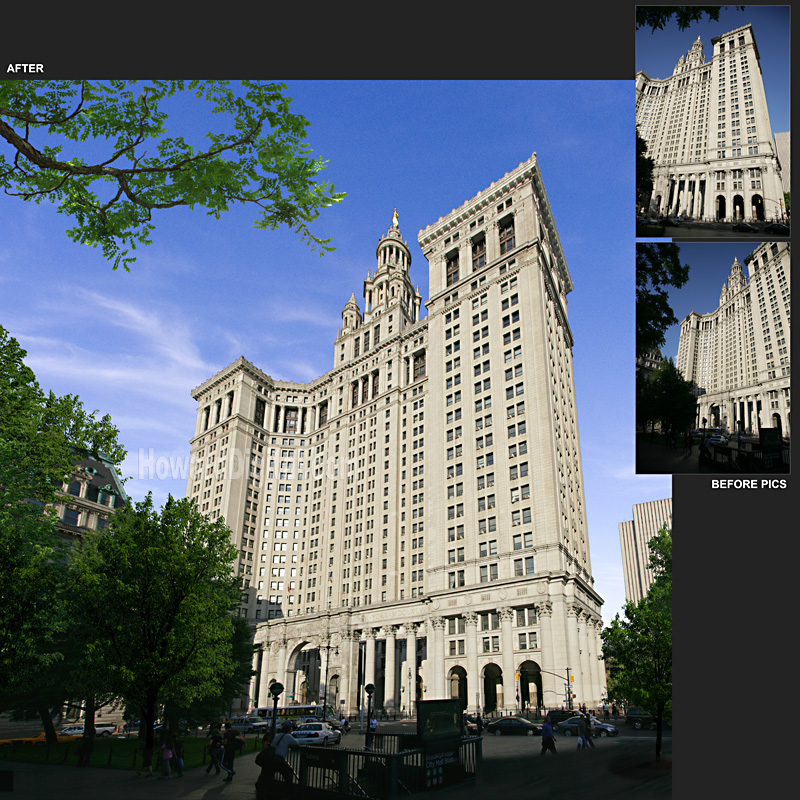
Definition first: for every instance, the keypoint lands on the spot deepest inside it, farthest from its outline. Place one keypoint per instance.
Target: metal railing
(393, 769)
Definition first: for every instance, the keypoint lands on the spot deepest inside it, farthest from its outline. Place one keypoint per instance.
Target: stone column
(474, 692)
(369, 661)
(349, 676)
(410, 630)
(584, 632)
(595, 650)
(509, 672)
(436, 690)
(324, 652)
(264, 697)
(389, 703)
(573, 651)
(280, 650)
(552, 687)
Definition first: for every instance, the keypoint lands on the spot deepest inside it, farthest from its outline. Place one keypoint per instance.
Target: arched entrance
(530, 685)
(721, 207)
(776, 423)
(457, 677)
(757, 207)
(738, 207)
(492, 688)
(302, 674)
(332, 695)
(713, 414)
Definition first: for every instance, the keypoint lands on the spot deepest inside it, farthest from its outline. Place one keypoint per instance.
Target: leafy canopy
(657, 266)
(39, 437)
(262, 159)
(637, 648)
(655, 17)
(158, 588)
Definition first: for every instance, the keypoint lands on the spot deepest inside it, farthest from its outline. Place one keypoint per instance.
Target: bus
(294, 713)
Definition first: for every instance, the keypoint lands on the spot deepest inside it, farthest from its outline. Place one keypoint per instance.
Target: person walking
(614, 711)
(215, 751)
(229, 738)
(548, 737)
(582, 733)
(166, 757)
(589, 730)
(479, 723)
(177, 755)
(605, 712)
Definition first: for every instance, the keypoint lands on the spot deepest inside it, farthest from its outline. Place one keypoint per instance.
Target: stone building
(634, 535)
(708, 132)
(738, 355)
(414, 518)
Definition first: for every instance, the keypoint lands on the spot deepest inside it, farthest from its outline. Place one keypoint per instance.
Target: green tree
(657, 266)
(644, 174)
(159, 588)
(262, 159)
(655, 17)
(667, 398)
(40, 435)
(210, 708)
(637, 647)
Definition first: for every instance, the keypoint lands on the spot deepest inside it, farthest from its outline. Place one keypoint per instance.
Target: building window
(506, 235)
(452, 268)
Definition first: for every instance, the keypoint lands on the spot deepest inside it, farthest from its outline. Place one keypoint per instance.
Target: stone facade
(738, 355)
(415, 517)
(707, 130)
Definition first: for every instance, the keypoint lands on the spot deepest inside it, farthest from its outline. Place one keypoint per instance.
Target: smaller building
(89, 496)
(635, 535)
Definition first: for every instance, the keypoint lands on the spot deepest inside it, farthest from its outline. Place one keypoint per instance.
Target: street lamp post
(369, 689)
(327, 659)
(276, 690)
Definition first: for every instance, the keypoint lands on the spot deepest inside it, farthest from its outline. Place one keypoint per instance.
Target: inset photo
(713, 123)
(713, 367)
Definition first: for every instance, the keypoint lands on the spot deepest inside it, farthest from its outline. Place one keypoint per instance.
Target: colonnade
(424, 660)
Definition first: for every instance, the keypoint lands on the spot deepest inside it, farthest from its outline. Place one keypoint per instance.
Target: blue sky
(657, 53)
(206, 292)
(709, 268)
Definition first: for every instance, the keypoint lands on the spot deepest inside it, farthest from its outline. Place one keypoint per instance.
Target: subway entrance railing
(395, 767)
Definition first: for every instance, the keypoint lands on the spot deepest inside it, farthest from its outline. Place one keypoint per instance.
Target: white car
(319, 733)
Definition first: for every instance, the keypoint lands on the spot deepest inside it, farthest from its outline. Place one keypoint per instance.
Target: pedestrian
(87, 745)
(281, 745)
(344, 725)
(548, 737)
(614, 711)
(166, 757)
(582, 743)
(177, 755)
(479, 723)
(590, 730)
(605, 712)
(215, 750)
(229, 738)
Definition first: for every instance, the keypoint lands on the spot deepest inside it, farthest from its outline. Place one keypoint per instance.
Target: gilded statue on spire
(395, 218)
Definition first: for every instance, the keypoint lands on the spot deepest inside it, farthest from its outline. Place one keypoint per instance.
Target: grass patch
(113, 753)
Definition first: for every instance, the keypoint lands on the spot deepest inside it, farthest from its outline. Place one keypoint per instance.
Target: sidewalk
(615, 769)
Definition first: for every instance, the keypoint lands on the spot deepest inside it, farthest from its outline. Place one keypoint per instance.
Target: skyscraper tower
(707, 130)
(415, 518)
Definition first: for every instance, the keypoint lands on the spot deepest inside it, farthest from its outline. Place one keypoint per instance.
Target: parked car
(510, 726)
(559, 714)
(249, 724)
(41, 738)
(639, 718)
(317, 733)
(101, 729)
(569, 727)
(777, 227)
(744, 227)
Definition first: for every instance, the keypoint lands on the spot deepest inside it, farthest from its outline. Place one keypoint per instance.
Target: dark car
(639, 718)
(569, 727)
(514, 726)
(777, 227)
(744, 227)
(560, 714)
